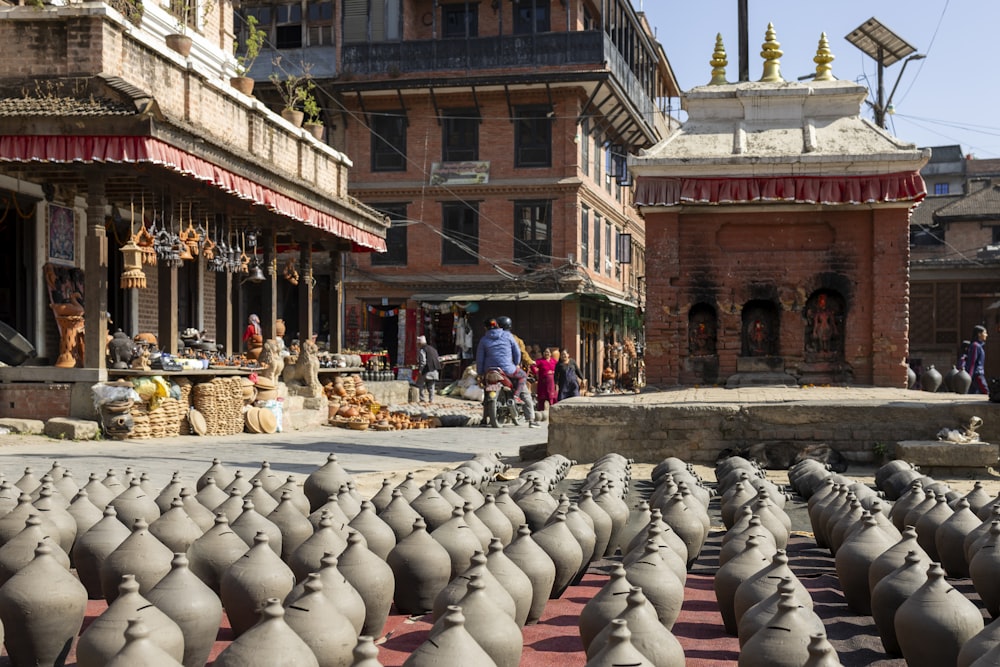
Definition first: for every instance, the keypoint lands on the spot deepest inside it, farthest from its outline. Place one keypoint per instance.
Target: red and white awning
(134, 150)
(866, 189)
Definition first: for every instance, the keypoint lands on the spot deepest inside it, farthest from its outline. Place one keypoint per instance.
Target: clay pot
(961, 382)
(930, 379)
(537, 505)
(490, 626)
(269, 480)
(672, 550)
(295, 528)
(56, 513)
(134, 503)
(928, 524)
(603, 526)
(167, 494)
(913, 496)
(783, 641)
(366, 653)
(379, 537)
(348, 502)
(421, 567)
(298, 498)
(618, 650)
(450, 646)
(141, 555)
(309, 556)
(557, 541)
(193, 606)
(476, 525)
(255, 577)
(512, 578)
(198, 513)
(139, 650)
(603, 607)
(738, 539)
(761, 614)
(381, 499)
(399, 516)
(85, 513)
(232, 506)
(949, 539)
(539, 568)
(933, 623)
(372, 578)
(262, 500)
(891, 591)
(105, 636)
(322, 626)
(659, 584)
(649, 637)
(20, 550)
(895, 556)
(765, 583)
(458, 540)
(409, 487)
(983, 571)
(175, 529)
(733, 573)
(459, 586)
(687, 525)
(618, 512)
(212, 553)
(93, 547)
(210, 495)
(250, 523)
(821, 652)
(510, 509)
(853, 562)
(582, 528)
(332, 509)
(495, 521)
(270, 642)
(986, 641)
(42, 607)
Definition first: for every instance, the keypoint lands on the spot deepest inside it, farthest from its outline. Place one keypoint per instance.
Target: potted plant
(311, 109)
(292, 88)
(251, 50)
(184, 10)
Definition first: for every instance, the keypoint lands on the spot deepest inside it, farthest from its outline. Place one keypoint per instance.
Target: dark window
(460, 227)
(533, 137)
(371, 20)
(923, 235)
(996, 235)
(389, 141)
(288, 27)
(532, 231)
(395, 237)
(585, 235)
(609, 249)
(319, 23)
(940, 188)
(531, 16)
(584, 139)
(597, 242)
(459, 18)
(460, 136)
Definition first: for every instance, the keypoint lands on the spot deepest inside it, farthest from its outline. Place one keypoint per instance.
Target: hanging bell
(256, 275)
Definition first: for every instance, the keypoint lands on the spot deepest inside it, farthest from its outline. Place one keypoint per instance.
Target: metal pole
(743, 27)
(879, 106)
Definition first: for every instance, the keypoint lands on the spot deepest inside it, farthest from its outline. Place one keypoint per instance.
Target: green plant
(289, 85)
(185, 12)
(310, 107)
(252, 45)
(882, 450)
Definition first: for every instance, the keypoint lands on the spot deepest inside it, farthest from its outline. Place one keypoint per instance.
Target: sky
(950, 97)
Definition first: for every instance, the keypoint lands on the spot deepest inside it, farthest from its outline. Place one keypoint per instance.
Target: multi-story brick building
(494, 135)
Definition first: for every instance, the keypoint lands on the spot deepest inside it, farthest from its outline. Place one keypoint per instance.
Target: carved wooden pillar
(168, 319)
(305, 292)
(270, 314)
(95, 282)
(336, 300)
(225, 313)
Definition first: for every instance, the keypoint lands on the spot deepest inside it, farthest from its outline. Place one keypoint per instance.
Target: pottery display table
(936, 457)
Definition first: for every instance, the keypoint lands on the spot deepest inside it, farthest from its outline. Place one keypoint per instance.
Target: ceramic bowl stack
(267, 389)
(249, 390)
(260, 420)
(221, 401)
(140, 419)
(184, 426)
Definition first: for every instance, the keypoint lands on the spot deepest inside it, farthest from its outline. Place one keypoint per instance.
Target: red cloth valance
(85, 150)
(867, 189)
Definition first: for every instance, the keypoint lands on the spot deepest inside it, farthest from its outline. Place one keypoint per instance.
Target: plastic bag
(106, 393)
(152, 390)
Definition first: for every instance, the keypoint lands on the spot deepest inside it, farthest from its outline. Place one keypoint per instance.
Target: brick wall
(35, 401)
(725, 260)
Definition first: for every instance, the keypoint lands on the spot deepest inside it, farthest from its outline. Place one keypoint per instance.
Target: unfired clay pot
(618, 650)
(139, 650)
(193, 606)
(537, 565)
(270, 642)
(649, 637)
(315, 618)
(451, 646)
(490, 626)
(248, 583)
(421, 567)
(141, 555)
(372, 578)
(512, 578)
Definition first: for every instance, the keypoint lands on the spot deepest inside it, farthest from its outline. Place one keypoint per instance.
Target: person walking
(975, 361)
(429, 364)
(567, 376)
(544, 371)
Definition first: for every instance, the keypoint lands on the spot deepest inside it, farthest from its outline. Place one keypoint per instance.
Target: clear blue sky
(951, 97)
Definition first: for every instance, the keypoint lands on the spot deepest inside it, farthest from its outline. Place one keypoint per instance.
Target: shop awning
(613, 299)
(508, 296)
(136, 150)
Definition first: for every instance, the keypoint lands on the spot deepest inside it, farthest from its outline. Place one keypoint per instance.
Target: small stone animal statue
(302, 377)
(271, 361)
(140, 362)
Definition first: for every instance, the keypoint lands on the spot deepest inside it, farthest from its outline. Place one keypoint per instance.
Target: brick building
(777, 226)
(106, 131)
(494, 136)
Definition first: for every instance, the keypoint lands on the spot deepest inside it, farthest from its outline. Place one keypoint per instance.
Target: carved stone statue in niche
(65, 287)
(824, 330)
(701, 333)
(760, 330)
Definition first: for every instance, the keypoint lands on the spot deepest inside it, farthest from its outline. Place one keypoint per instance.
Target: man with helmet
(498, 348)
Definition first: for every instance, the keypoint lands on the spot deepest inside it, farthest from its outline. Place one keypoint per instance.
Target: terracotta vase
(211, 554)
(854, 560)
(659, 584)
(512, 578)
(760, 614)
(765, 583)
(324, 482)
(649, 637)
(340, 591)
(618, 650)
(490, 626)
(141, 555)
(295, 528)
(139, 650)
(248, 583)
(603, 607)
(372, 578)
(934, 622)
(451, 646)
(180, 43)
(175, 529)
(315, 618)
(309, 556)
(193, 606)
(270, 642)
(42, 608)
(733, 573)
(421, 567)
(105, 636)
(399, 516)
(537, 565)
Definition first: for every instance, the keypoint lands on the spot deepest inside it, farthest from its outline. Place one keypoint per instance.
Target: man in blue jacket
(499, 349)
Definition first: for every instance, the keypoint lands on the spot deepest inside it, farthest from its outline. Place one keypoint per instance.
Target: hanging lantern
(133, 277)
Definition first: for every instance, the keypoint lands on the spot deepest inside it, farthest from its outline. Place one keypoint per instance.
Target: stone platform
(697, 424)
(948, 458)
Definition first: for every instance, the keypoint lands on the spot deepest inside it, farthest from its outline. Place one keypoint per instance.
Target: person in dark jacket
(429, 364)
(975, 361)
(567, 376)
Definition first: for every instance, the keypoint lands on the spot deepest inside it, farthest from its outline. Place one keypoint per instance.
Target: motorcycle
(499, 403)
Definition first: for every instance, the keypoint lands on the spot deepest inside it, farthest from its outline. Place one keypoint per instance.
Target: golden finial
(718, 63)
(823, 59)
(771, 54)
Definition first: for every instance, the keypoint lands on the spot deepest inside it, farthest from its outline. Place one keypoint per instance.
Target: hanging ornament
(133, 277)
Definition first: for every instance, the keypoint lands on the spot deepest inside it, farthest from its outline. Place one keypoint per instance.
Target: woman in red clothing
(544, 371)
